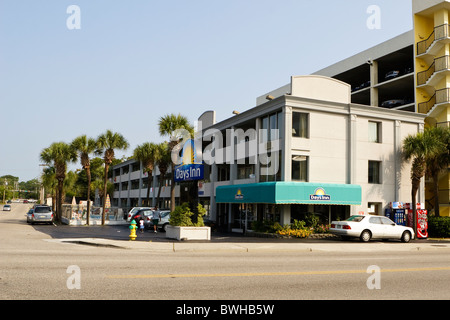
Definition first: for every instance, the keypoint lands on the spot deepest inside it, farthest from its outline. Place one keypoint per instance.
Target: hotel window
(375, 172)
(300, 125)
(374, 132)
(271, 124)
(300, 168)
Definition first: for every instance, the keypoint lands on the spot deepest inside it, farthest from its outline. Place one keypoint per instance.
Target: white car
(6, 207)
(366, 227)
(134, 210)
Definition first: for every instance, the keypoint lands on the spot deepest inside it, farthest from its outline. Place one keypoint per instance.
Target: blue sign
(190, 168)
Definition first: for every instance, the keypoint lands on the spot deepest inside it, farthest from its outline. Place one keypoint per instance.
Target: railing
(443, 124)
(439, 64)
(441, 96)
(440, 32)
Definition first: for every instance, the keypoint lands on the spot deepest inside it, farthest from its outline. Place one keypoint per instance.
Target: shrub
(439, 227)
(182, 216)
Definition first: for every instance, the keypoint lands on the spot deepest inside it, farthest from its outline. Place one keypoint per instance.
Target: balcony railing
(441, 96)
(439, 64)
(443, 124)
(439, 33)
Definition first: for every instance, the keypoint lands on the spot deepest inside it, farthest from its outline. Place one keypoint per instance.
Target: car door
(390, 230)
(376, 227)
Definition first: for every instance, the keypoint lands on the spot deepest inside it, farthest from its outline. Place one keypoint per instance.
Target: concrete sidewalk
(260, 245)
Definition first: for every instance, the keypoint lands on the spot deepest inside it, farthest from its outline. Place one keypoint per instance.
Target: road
(35, 266)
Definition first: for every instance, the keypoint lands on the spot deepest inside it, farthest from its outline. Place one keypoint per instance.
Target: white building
(336, 158)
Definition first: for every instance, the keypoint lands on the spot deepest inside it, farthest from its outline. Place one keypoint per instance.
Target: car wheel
(365, 236)
(406, 237)
(165, 227)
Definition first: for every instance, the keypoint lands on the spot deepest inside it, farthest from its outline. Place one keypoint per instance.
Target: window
(374, 132)
(374, 172)
(300, 168)
(300, 125)
(271, 124)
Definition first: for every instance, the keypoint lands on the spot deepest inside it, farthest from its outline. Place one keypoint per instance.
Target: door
(376, 227)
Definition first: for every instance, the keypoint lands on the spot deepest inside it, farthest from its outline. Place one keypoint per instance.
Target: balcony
(441, 97)
(435, 72)
(428, 46)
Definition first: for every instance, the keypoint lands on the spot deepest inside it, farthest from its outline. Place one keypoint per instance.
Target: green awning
(290, 193)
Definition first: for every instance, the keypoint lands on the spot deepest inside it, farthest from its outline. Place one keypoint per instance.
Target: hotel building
(340, 132)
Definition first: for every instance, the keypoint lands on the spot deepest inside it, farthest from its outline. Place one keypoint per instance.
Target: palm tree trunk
(88, 213)
(149, 173)
(436, 193)
(59, 200)
(105, 191)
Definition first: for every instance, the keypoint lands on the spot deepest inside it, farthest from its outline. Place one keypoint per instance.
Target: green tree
(163, 161)
(437, 163)
(419, 148)
(50, 183)
(176, 127)
(107, 143)
(147, 154)
(85, 146)
(58, 155)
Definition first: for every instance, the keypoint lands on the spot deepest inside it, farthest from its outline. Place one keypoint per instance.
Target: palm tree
(106, 144)
(438, 162)
(147, 153)
(174, 126)
(419, 148)
(58, 155)
(163, 161)
(84, 146)
(50, 183)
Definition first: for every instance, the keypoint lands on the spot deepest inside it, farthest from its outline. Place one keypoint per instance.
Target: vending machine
(422, 224)
(396, 212)
(421, 217)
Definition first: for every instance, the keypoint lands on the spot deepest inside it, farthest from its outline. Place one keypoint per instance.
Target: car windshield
(355, 218)
(42, 210)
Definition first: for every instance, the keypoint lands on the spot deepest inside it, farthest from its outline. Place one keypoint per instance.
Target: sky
(129, 62)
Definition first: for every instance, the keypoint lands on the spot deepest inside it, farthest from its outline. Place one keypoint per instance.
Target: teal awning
(290, 193)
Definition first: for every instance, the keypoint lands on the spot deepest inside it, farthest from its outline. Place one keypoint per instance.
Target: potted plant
(182, 225)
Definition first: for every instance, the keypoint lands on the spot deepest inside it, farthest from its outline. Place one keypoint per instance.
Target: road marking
(265, 274)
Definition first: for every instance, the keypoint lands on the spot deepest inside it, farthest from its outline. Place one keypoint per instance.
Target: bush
(182, 216)
(439, 227)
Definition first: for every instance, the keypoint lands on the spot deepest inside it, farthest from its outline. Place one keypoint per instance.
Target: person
(141, 225)
(155, 220)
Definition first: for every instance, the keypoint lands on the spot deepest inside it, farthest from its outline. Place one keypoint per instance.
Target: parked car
(163, 222)
(134, 210)
(392, 74)
(6, 207)
(142, 213)
(371, 227)
(40, 214)
(393, 103)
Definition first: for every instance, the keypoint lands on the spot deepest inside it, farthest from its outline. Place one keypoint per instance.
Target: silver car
(6, 207)
(40, 214)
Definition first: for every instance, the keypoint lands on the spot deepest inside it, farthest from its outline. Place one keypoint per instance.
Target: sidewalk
(245, 245)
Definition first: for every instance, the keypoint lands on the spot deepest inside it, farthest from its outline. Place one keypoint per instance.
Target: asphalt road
(33, 266)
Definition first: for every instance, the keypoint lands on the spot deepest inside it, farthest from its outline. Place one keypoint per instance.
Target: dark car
(393, 103)
(142, 213)
(392, 74)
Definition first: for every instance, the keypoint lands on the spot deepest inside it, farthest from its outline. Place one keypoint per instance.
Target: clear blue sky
(134, 61)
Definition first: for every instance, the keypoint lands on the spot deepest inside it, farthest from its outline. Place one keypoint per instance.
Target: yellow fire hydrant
(133, 230)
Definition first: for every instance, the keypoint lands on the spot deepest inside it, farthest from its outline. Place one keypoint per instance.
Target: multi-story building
(349, 142)
(330, 156)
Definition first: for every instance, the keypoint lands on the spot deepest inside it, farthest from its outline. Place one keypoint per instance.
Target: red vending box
(422, 224)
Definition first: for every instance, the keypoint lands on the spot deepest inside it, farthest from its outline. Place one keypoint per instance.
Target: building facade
(316, 152)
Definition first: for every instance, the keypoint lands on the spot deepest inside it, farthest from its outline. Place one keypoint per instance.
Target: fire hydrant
(133, 230)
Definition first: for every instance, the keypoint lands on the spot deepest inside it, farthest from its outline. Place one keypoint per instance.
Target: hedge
(438, 227)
